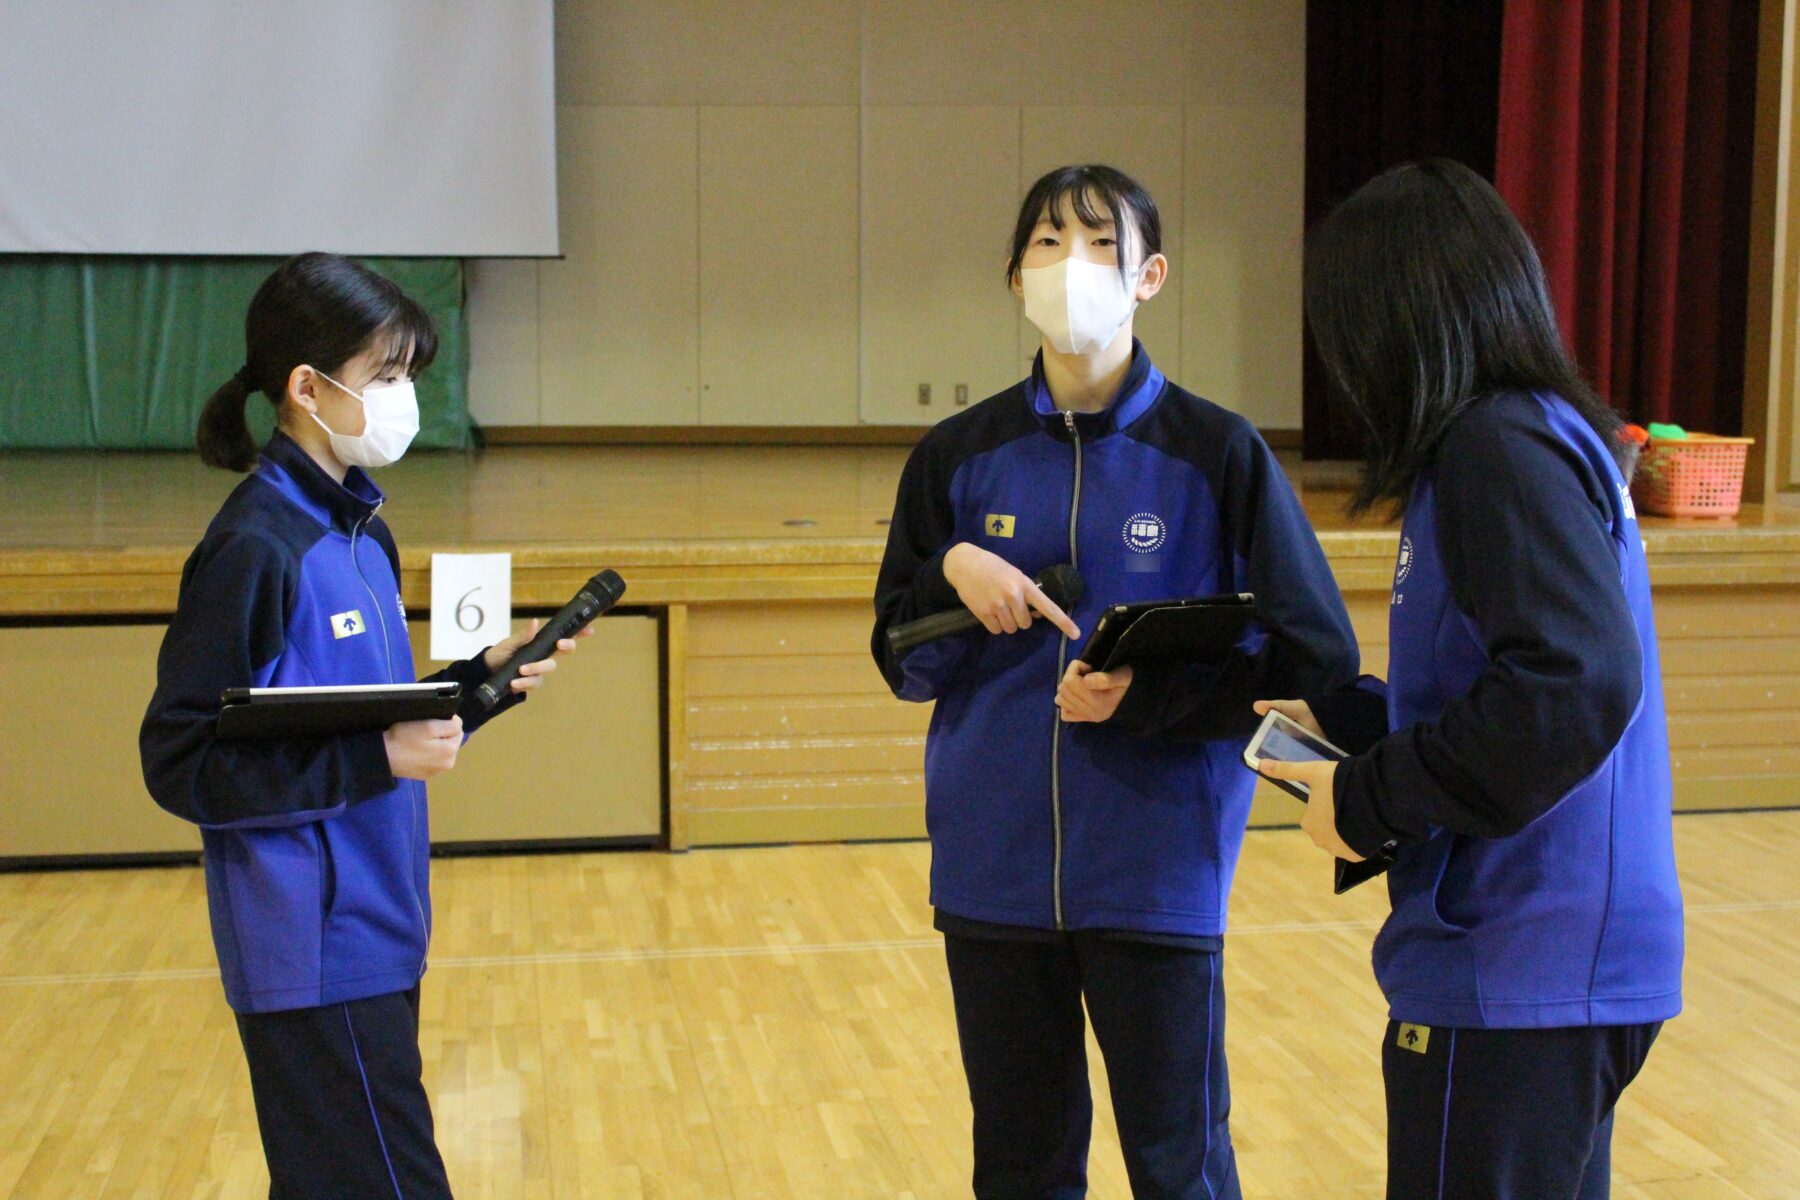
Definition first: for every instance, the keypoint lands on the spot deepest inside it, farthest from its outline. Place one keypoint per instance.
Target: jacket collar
(1142, 384)
(293, 473)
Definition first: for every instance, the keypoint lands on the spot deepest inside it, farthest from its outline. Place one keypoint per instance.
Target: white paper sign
(471, 603)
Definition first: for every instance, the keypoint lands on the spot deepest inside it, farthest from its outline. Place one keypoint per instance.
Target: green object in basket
(1667, 433)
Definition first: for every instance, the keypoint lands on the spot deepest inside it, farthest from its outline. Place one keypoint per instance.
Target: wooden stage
(750, 571)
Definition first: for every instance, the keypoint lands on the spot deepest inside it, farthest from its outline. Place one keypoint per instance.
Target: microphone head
(1063, 585)
(607, 585)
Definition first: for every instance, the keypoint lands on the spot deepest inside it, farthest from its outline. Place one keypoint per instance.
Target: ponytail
(223, 436)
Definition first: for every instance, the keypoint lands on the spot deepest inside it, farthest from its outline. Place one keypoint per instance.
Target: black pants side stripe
(1444, 1136)
(1212, 979)
(369, 1095)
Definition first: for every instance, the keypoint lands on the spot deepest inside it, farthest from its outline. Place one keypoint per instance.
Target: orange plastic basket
(1697, 476)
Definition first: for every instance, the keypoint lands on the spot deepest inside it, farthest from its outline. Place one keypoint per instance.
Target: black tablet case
(1203, 629)
(244, 718)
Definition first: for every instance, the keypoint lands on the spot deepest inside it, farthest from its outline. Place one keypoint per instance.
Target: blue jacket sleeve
(229, 623)
(911, 581)
(1529, 559)
(1353, 717)
(1305, 646)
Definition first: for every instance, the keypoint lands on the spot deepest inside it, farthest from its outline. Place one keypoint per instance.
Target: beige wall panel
(1247, 53)
(619, 313)
(793, 756)
(841, 716)
(1731, 656)
(1730, 765)
(706, 52)
(817, 628)
(1076, 52)
(939, 187)
(778, 275)
(1726, 612)
(902, 818)
(73, 781)
(1241, 340)
(503, 339)
(1699, 730)
(811, 791)
(1145, 142)
(1728, 693)
(551, 769)
(582, 759)
(783, 675)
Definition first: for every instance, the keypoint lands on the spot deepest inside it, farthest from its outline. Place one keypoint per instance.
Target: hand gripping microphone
(595, 597)
(1062, 584)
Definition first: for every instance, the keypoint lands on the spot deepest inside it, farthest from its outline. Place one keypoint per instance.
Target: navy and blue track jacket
(1133, 824)
(317, 858)
(1527, 778)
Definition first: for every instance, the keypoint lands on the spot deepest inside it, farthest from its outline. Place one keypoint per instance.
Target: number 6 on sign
(471, 603)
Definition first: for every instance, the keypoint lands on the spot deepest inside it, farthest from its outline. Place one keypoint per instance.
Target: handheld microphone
(595, 597)
(1062, 584)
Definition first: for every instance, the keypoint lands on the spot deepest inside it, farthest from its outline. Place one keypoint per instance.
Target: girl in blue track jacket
(316, 849)
(1086, 851)
(1516, 764)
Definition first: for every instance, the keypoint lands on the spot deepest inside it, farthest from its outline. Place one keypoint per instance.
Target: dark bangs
(407, 338)
(1098, 195)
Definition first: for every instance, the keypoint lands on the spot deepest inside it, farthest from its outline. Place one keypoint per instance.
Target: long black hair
(1089, 187)
(1424, 295)
(320, 310)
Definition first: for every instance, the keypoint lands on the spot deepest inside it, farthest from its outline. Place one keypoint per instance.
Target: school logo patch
(1405, 567)
(1145, 533)
(997, 525)
(1413, 1037)
(346, 624)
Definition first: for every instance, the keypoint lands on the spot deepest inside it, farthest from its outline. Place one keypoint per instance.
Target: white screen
(374, 127)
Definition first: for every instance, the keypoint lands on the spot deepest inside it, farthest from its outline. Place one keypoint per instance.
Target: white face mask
(390, 422)
(1077, 305)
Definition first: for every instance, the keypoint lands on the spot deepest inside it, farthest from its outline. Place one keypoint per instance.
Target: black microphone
(1062, 584)
(595, 597)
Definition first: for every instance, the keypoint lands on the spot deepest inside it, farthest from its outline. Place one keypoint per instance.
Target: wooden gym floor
(776, 1023)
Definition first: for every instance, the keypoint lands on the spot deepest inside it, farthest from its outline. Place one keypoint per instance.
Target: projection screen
(370, 127)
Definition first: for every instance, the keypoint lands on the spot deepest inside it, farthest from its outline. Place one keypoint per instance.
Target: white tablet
(1288, 741)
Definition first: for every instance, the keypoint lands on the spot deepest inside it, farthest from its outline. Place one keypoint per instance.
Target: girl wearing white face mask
(1084, 826)
(316, 849)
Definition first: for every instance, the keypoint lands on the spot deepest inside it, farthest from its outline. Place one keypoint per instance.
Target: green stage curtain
(121, 352)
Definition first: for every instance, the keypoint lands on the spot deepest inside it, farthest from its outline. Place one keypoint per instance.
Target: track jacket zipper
(387, 652)
(1062, 656)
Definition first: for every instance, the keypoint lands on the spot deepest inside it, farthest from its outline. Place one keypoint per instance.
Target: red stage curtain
(1624, 145)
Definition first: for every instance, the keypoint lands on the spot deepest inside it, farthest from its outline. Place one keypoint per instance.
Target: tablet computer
(1202, 628)
(263, 714)
(1284, 740)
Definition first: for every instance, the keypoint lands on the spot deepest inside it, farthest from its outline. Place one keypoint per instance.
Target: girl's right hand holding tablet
(1000, 595)
(423, 749)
